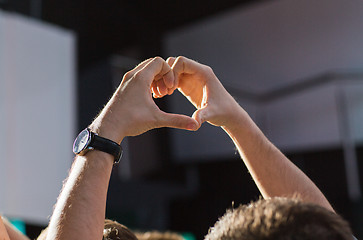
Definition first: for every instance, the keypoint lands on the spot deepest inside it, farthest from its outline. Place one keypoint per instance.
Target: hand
(201, 87)
(132, 111)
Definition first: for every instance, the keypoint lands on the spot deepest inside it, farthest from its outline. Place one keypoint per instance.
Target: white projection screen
(37, 115)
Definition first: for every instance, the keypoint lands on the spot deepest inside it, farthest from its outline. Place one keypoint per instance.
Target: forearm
(13, 233)
(80, 209)
(3, 232)
(273, 173)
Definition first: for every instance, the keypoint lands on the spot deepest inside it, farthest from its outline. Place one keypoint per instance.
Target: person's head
(112, 230)
(115, 231)
(156, 235)
(280, 219)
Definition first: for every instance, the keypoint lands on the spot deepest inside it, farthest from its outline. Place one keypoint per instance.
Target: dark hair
(115, 231)
(112, 230)
(156, 235)
(280, 219)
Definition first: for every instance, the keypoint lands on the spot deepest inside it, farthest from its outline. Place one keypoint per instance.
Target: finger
(169, 79)
(156, 93)
(202, 115)
(157, 66)
(162, 89)
(139, 66)
(170, 61)
(154, 89)
(183, 65)
(170, 91)
(177, 121)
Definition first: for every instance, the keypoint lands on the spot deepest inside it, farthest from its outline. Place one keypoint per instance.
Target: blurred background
(295, 66)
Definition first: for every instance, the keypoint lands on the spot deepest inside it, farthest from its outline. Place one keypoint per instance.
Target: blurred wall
(37, 115)
(267, 47)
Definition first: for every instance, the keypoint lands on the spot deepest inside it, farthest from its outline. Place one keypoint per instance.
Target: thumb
(202, 115)
(177, 121)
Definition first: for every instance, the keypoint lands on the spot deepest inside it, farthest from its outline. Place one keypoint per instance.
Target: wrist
(242, 125)
(107, 129)
(237, 119)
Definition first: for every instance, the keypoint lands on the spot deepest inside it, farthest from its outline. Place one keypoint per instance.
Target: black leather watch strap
(106, 145)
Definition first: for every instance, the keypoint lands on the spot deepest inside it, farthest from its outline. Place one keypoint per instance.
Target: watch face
(81, 141)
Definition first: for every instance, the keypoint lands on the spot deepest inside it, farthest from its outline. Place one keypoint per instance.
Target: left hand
(132, 111)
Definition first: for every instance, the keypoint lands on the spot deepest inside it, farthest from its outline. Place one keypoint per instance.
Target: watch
(87, 140)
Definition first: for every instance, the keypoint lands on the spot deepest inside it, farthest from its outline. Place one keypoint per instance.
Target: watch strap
(106, 145)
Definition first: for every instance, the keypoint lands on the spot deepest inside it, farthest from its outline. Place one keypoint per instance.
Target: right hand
(199, 84)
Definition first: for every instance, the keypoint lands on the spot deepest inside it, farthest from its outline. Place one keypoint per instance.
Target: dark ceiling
(113, 26)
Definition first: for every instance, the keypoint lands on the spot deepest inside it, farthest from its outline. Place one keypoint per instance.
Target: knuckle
(179, 63)
(170, 59)
(128, 75)
(147, 60)
(208, 69)
(138, 75)
(180, 59)
(158, 59)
